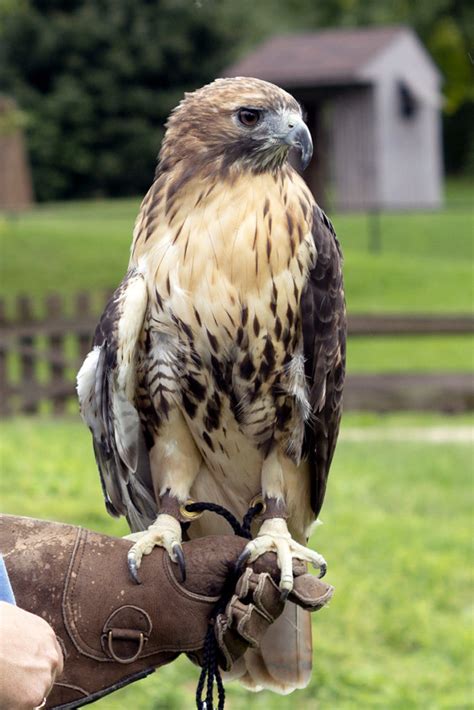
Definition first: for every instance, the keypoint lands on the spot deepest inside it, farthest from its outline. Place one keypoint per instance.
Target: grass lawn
(398, 517)
(397, 535)
(425, 263)
(411, 354)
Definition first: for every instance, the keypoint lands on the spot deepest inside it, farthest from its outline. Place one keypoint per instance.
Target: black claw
(242, 560)
(284, 594)
(133, 569)
(322, 571)
(178, 551)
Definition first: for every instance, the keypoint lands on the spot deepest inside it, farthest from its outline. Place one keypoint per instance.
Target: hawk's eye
(248, 116)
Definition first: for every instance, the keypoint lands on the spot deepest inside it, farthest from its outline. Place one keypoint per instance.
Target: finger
(262, 590)
(249, 622)
(310, 593)
(299, 566)
(60, 665)
(243, 585)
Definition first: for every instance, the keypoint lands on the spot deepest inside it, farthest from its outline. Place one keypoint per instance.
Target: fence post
(4, 403)
(54, 312)
(26, 342)
(83, 310)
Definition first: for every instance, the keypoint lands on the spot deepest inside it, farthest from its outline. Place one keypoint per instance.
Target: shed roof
(334, 56)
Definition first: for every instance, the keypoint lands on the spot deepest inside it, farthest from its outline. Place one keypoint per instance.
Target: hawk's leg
(274, 535)
(164, 532)
(175, 463)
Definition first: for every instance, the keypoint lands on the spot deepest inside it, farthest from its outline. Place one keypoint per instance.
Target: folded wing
(106, 386)
(324, 333)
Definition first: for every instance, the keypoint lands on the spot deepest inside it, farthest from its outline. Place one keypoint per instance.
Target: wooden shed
(372, 97)
(16, 191)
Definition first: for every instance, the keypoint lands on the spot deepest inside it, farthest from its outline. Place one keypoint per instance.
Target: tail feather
(283, 662)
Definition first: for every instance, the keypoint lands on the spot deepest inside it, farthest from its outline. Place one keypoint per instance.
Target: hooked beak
(299, 137)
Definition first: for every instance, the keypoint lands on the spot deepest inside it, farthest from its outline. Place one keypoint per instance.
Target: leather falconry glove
(113, 631)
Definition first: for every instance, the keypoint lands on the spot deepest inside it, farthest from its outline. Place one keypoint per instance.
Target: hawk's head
(242, 122)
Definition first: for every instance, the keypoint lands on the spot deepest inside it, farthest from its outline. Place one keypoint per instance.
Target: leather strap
(273, 508)
(171, 505)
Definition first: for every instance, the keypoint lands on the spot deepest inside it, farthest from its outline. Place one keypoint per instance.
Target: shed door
(351, 147)
(315, 175)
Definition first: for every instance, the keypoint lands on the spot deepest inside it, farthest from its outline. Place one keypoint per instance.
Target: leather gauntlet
(113, 631)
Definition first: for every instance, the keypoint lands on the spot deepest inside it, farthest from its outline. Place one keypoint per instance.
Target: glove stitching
(182, 591)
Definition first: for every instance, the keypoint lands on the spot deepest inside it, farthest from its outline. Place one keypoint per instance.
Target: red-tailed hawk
(218, 364)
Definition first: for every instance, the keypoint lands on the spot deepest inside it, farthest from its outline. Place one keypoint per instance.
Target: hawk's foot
(165, 532)
(274, 537)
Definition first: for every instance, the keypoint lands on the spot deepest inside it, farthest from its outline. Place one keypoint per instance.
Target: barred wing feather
(323, 316)
(106, 389)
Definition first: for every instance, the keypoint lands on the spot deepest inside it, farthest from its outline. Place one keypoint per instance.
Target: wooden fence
(42, 345)
(41, 350)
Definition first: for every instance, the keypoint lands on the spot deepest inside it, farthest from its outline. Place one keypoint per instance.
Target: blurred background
(85, 88)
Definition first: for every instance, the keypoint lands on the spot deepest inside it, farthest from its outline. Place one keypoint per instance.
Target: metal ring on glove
(141, 638)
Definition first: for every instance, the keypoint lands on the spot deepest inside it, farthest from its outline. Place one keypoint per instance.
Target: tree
(98, 78)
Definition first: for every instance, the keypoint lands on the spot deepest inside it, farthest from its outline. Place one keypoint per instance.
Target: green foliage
(418, 252)
(397, 536)
(447, 45)
(11, 118)
(444, 26)
(458, 134)
(99, 77)
(411, 354)
(85, 245)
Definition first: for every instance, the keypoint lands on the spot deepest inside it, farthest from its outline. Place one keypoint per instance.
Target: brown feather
(324, 331)
(240, 361)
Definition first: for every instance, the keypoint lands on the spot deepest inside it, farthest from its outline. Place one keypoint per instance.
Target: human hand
(30, 658)
(257, 602)
(147, 625)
